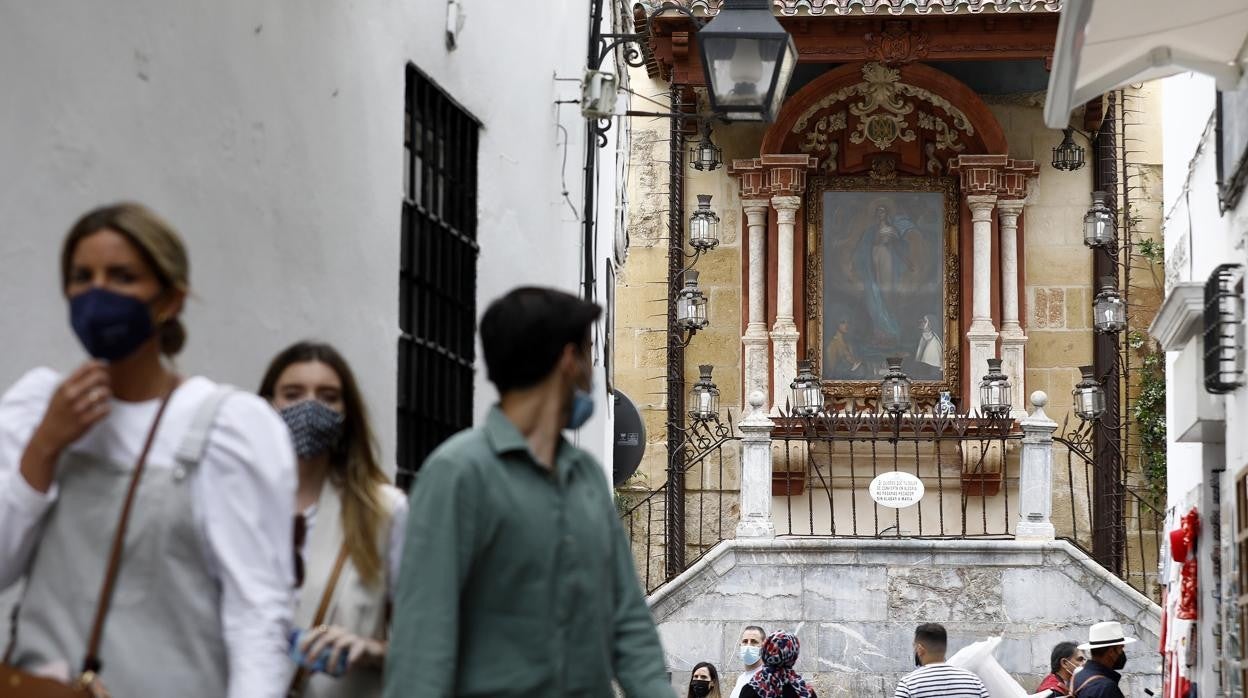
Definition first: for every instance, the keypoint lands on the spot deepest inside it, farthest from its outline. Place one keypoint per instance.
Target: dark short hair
(932, 636)
(757, 628)
(1062, 650)
(524, 333)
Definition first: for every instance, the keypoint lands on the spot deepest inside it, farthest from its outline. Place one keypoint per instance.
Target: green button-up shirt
(518, 580)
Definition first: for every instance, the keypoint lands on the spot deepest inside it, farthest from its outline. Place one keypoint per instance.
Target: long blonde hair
(157, 242)
(354, 466)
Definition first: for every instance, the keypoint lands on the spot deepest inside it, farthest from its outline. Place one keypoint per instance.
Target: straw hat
(1107, 634)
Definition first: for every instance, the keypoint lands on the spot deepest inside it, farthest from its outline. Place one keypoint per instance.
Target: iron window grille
(437, 272)
(1223, 334)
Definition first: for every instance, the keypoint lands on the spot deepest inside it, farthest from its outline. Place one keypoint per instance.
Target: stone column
(982, 334)
(1013, 340)
(755, 338)
(1035, 481)
(756, 521)
(784, 333)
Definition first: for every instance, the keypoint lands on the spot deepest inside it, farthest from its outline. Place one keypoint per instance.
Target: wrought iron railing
(824, 466)
(666, 540)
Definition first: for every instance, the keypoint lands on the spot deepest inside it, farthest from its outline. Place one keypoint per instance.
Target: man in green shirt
(517, 578)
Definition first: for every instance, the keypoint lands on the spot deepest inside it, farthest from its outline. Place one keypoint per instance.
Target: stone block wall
(854, 606)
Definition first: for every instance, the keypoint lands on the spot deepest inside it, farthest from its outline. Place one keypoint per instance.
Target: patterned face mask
(314, 427)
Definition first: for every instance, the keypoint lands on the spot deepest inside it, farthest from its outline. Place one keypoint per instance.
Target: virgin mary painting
(883, 289)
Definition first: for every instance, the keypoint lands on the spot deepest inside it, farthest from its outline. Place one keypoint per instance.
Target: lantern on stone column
(895, 388)
(705, 156)
(994, 391)
(1089, 396)
(691, 305)
(1069, 155)
(748, 58)
(703, 225)
(1100, 228)
(1109, 310)
(807, 391)
(704, 397)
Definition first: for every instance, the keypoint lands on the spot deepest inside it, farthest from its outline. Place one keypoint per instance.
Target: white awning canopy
(1105, 44)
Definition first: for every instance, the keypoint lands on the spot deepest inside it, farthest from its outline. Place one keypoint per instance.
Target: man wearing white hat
(1099, 677)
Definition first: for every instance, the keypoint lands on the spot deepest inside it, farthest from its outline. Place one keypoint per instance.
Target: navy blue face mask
(111, 326)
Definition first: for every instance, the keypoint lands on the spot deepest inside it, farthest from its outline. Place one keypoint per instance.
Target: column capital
(751, 177)
(1011, 208)
(786, 174)
(753, 205)
(1016, 177)
(979, 174)
(981, 206)
(788, 204)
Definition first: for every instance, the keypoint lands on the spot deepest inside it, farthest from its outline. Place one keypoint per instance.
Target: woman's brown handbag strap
(322, 609)
(91, 662)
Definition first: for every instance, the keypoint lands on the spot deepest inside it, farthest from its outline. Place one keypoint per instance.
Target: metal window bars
(1224, 329)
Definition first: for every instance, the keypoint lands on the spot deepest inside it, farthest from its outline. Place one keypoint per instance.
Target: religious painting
(884, 273)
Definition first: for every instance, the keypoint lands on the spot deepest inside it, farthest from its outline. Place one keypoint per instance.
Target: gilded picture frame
(932, 202)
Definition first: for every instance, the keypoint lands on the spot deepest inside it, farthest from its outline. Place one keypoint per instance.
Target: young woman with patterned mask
(348, 508)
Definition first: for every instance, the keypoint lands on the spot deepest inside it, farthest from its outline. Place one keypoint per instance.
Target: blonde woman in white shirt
(349, 510)
(202, 597)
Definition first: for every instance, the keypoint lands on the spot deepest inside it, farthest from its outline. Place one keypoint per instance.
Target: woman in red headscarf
(777, 679)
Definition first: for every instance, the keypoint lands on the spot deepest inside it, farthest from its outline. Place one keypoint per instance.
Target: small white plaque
(896, 489)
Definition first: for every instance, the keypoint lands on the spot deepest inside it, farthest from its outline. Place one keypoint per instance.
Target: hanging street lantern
(895, 388)
(1109, 311)
(1100, 228)
(748, 58)
(807, 391)
(705, 156)
(704, 397)
(1068, 156)
(994, 391)
(691, 305)
(1089, 396)
(703, 225)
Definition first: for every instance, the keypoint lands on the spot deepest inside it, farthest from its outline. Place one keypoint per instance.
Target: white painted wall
(271, 135)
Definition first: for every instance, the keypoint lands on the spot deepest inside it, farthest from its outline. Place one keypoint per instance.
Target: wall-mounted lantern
(994, 391)
(1068, 156)
(691, 305)
(704, 397)
(705, 156)
(703, 225)
(1089, 396)
(1100, 227)
(748, 58)
(1109, 310)
(807, 391)
(895, 388)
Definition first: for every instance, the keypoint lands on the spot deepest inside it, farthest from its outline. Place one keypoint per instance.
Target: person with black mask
(704, 681)
(1100, 675)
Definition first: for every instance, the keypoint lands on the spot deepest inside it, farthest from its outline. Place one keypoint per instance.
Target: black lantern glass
(748, 58)
(1068, 156)
(895, 388)
(704, 397)
(703, 225)
(994, 391)
(1109, 310)
(1089, 396)
(807, 391)
(691, 305)
(1100, 228)
(705, 156)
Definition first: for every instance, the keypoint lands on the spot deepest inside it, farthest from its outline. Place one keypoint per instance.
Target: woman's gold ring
(96, 395)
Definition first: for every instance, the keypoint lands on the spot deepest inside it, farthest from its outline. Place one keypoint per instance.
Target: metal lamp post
(994, 391)
(895, 388)
(807, 391)
(749, 59)
(704, 397)
(1100, 228)
(703, 225)
(1089, 396)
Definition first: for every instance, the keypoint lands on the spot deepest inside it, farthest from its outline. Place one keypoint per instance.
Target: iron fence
(823, 467)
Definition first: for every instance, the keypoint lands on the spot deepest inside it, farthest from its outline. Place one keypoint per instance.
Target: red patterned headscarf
(779, 655)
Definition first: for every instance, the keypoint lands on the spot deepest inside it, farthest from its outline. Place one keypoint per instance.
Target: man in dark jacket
(1099, 677)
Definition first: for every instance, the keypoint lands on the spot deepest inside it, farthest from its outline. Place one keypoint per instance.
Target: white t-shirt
(744, 679)
(243, 498)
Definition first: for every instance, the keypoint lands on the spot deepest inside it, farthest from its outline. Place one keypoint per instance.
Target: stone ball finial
(1039, 399)
(757, 399)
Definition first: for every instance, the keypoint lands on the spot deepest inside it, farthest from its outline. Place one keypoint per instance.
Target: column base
(983, 342)
(755, 529)
(757, 363)
(1032, 531)
(1013, 359)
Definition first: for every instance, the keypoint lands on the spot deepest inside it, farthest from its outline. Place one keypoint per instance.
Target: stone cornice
(1180, 317)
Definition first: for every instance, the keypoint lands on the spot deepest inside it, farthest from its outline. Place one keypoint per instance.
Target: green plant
(1152, 250)
(1149, 412)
